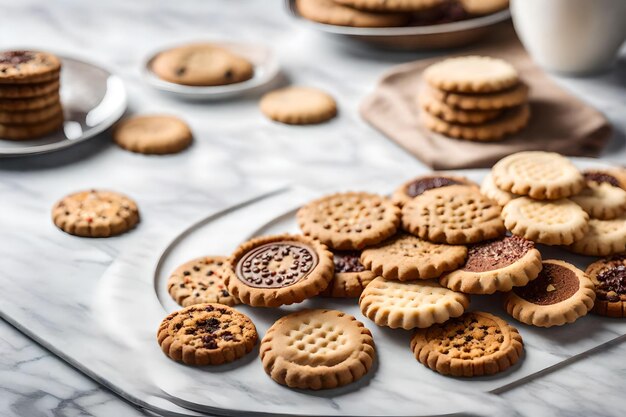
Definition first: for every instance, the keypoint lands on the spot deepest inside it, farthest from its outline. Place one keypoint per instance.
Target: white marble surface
(236, 151)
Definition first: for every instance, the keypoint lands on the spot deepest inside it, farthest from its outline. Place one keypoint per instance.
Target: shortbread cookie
(474, 344)
(155, 134)
(455, 215)
(410, 304)
(471, 74)
(560, 294)
(28, 117)
(201, 64)
(540, 175)
(554, 222)
(298, 106)
(200, 281)
(442, 111)
(417, 186)
(34, 103)
(609, 278)
(407, 257)
(26, 67)
(271, 271)
(350, 278)
(481, 7)
(317, 349)
(498, 265)
(603, 197)
(23, 91)
(206, 334)
(511, 121)
(333, 13)
(95, 213)
(391, 5)
(603, 238)
(31, 131)
(489, 189)
(511, 97)
(349, 221)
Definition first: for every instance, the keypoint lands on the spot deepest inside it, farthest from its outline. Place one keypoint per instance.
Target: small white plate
(266, 68)
(92, 98)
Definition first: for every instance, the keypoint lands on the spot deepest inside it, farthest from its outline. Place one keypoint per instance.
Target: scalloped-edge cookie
(410, 304)
(317, 349)
(471, 74)
(489, 189)
(454, 215)
(553, 222)
(271, 271)
(157, 134)
(602, 238)
(406, 257)
(391, 5)
(350, 278)
(604, 197)
(539, 175)
(349, 221)
(206, 334)
(609, 278)
(498, 265)
(333, 13)
(418, 185)
(511, 97)
(427, 101)
(474, 344)
(560, 294)
(298, 105)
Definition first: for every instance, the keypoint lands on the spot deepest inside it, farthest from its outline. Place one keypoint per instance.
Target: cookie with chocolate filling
(317, 349)
(604, 196)
(26, 67)
(271, 271)
(206, 334)
(200, 281)
(410, 304)
(497, 265)
(418, 185)
(474, 344)
(609, 277)
(349, 221)
(350, 278)
(602, 238)
(560, 294)
(406, 257)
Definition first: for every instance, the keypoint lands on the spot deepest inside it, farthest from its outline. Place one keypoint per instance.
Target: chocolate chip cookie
(351, 277)
(609, 277)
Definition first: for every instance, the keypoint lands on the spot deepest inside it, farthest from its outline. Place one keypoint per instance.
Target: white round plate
(266, 68)
(92, 98)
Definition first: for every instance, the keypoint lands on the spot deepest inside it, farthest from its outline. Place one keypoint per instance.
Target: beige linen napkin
(559, 121)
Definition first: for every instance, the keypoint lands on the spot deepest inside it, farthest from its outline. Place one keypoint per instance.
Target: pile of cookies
(473, 98)
(30, 105)
(394, 13)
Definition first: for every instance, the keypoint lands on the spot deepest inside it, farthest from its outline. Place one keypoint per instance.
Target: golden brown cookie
(31, 131)
(154, 134)
(26, 67)
(23, 91)
(602, 238)
(481, 7)
(29, 117)
(456, 214)
(560, 294)
(206, 334)
(474, 344)
(407, 257)
(419, 185)
(200, 281)
(489, 189)
(391, 5)
(95, 213)
(539, 175)
(609, 278)
(333, 13)
(410, 304)
(604, 197)
(350, 278)
(317, 349)
(554, 222)
(298, 106)
(349, 221)
(33, 103)
(471, 74)
(201, 64)
(271, 271)
(497, 265)
(511, 97)
(510, 121)
(437, 108)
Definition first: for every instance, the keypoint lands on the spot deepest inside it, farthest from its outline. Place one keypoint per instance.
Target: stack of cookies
(30, 105)
(474, 98)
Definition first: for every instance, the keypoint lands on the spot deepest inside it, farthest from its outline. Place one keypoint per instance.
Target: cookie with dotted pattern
(474, 344)
(333, 13)
(206, 334)
(602, 238)
(350, 278)
(26, 67)
(609, 278)
(471, 74)
(153, 134)
(317, 349)
(298, 105)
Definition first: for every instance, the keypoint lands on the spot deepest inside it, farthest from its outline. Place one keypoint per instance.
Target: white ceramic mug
(571, 36)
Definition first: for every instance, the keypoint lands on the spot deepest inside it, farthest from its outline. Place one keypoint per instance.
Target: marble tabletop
(235, 147)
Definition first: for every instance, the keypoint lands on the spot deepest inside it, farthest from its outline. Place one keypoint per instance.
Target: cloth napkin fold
(559, 121)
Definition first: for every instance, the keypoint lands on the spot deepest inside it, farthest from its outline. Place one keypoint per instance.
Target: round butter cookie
(31, 131)
(439, 109)
(604, 196)
(602, 238)
(30, 117)
(33, 103)
(498, 100)
(334, 13)
(609, 278)
(391, 5)
(471, 74)
(298, 106)
(417, 186)
(154, 134)
(25, 91)
(482, 7)
(489, 189)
